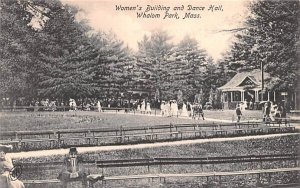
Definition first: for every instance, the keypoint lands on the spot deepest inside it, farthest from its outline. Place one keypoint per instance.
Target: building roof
(245, 80)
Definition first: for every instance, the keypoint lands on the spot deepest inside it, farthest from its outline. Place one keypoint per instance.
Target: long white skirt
(184, 111)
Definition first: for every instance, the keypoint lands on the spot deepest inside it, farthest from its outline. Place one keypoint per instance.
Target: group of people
(271, 111)
(144, 107)
(169, 109)
(197, 110)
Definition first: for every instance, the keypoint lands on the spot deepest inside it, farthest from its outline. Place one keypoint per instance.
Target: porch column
(296, 101)
(256, 95)
(274, 94)
(242, 95)
(231, 98)
(268, 96)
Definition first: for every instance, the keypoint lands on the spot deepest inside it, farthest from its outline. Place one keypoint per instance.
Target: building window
(236, 96)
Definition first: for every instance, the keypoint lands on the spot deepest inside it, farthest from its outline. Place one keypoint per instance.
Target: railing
(27, 140)
(193, 161)
(207, 176)
(175, 161)
(147, 162)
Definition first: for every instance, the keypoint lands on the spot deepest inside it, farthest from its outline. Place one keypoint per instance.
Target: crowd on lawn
(169, 108)
(271, 111)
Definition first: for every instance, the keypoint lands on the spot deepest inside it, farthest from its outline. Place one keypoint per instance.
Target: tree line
(47, 52)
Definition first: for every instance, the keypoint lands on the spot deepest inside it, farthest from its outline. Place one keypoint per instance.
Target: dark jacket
(238, 111)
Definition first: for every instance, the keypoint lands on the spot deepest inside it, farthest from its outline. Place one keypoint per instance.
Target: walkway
(52, 152)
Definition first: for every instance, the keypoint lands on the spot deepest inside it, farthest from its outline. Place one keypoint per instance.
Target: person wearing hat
(238, 112)
(6, 167)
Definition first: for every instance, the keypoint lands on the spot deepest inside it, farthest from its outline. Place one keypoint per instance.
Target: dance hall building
(246, 87)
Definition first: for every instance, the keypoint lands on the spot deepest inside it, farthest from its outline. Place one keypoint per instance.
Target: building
(246, 87)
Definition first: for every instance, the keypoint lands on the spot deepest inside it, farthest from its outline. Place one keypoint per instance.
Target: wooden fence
(45, 139)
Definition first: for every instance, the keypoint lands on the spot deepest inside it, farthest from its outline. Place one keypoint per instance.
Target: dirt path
(42, 153)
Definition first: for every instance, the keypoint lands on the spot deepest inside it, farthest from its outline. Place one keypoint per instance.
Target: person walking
(99, 106)
(162, 108)
(143, 107)
(201, 111)
(184, 111)
(267, 112)
(148, 108)
(238, 112)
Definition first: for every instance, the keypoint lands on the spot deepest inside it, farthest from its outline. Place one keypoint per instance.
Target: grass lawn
(12, 121)
(17, 121)
(263, 146)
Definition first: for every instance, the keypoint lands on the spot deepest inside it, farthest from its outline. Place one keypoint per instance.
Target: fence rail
(162, 177)
(175, 160)
(184, 161)
(45, 139)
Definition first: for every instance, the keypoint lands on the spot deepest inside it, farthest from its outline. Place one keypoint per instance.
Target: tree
(186, 67)
(271, 34)
(113, 68)
(152, 59)
(65, 55)
(16, 38)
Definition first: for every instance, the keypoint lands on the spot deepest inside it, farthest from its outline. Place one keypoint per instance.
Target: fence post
(58, 139)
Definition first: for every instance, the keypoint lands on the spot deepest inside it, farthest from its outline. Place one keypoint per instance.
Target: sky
(207, 30)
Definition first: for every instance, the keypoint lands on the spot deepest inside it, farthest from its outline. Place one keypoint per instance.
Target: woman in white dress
(148, 108)
(184, 111)
(174, 108)
(138, 108)
(99, 106)
(143, 107)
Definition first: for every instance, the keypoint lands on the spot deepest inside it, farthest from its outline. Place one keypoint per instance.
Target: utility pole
(262, 79)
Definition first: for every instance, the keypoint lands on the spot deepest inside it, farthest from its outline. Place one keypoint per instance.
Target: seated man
(6, 166)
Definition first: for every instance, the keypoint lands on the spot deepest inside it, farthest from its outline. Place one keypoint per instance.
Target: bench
(195, 132)
(95, 139)
(215, 132)
(147, 136)
(156, 134)
(24, 141)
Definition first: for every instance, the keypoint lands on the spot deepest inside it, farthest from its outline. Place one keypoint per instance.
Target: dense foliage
(47, 52)
(270, 38)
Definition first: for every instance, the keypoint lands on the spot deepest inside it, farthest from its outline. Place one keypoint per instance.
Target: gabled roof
(239, 78)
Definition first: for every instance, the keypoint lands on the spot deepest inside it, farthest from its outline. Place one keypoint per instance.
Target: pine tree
(187, 67)
(112, 72)
(65, 56)
(152, 59)
(271, 35)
